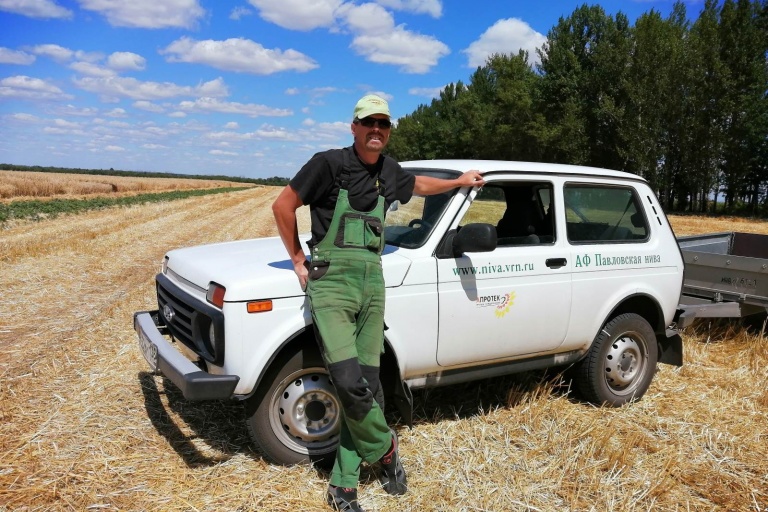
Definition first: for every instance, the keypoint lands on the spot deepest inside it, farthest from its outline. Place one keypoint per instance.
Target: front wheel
(620, 363)
(294, 417)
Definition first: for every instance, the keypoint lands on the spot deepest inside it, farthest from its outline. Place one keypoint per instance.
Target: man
(348, 191)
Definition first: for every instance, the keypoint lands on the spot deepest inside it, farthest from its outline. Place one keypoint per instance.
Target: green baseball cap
(369, 105)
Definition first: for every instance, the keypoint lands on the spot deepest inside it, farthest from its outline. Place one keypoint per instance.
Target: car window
(521, 212)
(603, 214)
(409, 225)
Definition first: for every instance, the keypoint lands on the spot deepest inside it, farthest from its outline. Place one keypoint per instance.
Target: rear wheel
(620, 363)
(294, 417)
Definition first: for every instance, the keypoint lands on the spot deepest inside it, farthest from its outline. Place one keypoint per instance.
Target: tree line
(681, 103)
(273, 181)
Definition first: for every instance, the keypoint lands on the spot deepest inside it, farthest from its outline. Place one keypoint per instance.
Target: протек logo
(500, 303)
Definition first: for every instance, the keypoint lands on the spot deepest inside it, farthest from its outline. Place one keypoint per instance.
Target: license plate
(149, 350)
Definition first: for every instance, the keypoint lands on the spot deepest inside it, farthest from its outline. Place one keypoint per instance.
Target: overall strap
(346, 173)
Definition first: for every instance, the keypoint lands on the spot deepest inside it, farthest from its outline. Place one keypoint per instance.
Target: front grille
(190, 320)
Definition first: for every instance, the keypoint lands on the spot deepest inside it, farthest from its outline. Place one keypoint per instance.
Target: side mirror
(478, 237)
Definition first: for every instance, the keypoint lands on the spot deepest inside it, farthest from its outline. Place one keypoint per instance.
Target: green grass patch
(39, 210)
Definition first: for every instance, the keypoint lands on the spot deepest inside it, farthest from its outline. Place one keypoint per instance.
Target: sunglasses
(370, 122)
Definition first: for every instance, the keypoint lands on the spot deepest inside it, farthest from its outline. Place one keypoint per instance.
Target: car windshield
(409, 225)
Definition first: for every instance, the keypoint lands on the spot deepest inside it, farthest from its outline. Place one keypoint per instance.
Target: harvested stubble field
(84, 427)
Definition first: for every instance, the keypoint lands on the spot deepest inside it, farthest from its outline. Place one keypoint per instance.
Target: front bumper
(164, 359)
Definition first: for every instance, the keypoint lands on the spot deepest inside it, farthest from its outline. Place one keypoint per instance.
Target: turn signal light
(260, 306)
(215, 294)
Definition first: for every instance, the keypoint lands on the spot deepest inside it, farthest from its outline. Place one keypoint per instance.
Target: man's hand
(302, 272)
(284, 208)
(471, 179)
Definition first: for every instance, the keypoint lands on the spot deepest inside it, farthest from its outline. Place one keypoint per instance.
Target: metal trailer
(726, 275)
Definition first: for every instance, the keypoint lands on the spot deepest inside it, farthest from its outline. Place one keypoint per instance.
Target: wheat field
(84, 427)
(20, 185)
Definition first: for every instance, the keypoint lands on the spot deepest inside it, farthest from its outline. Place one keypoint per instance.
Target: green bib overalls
(346, 292)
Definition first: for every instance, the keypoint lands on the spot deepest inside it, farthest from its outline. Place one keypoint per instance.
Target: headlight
(212, 334)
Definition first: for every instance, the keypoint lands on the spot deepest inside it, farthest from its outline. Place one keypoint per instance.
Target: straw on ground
(84, 427)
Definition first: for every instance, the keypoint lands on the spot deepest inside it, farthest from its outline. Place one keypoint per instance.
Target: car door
(514, 300)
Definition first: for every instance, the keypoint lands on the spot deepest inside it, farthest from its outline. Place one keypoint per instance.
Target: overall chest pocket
(360, 231)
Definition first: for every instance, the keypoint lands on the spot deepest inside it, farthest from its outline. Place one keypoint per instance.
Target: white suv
(546, 265)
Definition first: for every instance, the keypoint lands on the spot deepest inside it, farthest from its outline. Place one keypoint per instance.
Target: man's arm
(284, 209)
(427, 186)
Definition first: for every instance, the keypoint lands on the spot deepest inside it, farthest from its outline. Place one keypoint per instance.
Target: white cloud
(64, 127)
(432, 7)
(114, 148)
(148, 13)
(61, 123)
(71, 110)
(298, 14)
(239, 12)
(87, 68)
(225, 107)
(125, 87)
(154, 146)
(116, 112)
(62, 131)
(228, 135)
(380, 41)
(61, 54)
(377, 38)
(413, 53)
(148, 106)
(220, 152)
(232, 125)
(25, 118)
(367, 18)
(429, 92)
(53, 51)
(240, 55)
(126, 61)
(8, 56)
(24, 87)
(177, 114)
(36, 8)
(274, 133)
(507, 37)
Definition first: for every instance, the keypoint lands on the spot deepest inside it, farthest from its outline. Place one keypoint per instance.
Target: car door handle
(556, 262)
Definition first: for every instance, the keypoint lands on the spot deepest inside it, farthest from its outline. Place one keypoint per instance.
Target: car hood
(258, 268)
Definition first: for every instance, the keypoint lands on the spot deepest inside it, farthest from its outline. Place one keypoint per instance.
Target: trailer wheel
(294, 417)
(620, 363)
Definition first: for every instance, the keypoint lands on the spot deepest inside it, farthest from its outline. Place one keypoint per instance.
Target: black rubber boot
(343, 499)
(392, 475)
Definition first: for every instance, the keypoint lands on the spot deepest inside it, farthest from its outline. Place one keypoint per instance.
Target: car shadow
(208, 433)
(218, 424)
(470, 399)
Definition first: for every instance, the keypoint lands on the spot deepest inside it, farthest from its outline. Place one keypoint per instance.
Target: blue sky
(248, 88)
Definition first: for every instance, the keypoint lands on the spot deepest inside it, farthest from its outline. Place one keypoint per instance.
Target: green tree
(582, 94)
(653, 90)
(743, 54)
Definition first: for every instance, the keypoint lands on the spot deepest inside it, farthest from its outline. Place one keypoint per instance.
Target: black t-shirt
(318, 183)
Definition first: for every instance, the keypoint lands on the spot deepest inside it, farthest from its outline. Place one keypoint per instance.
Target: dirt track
(82, 426)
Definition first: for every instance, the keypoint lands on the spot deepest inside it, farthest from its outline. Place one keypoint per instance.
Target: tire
(620, 363)
(294, 417)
